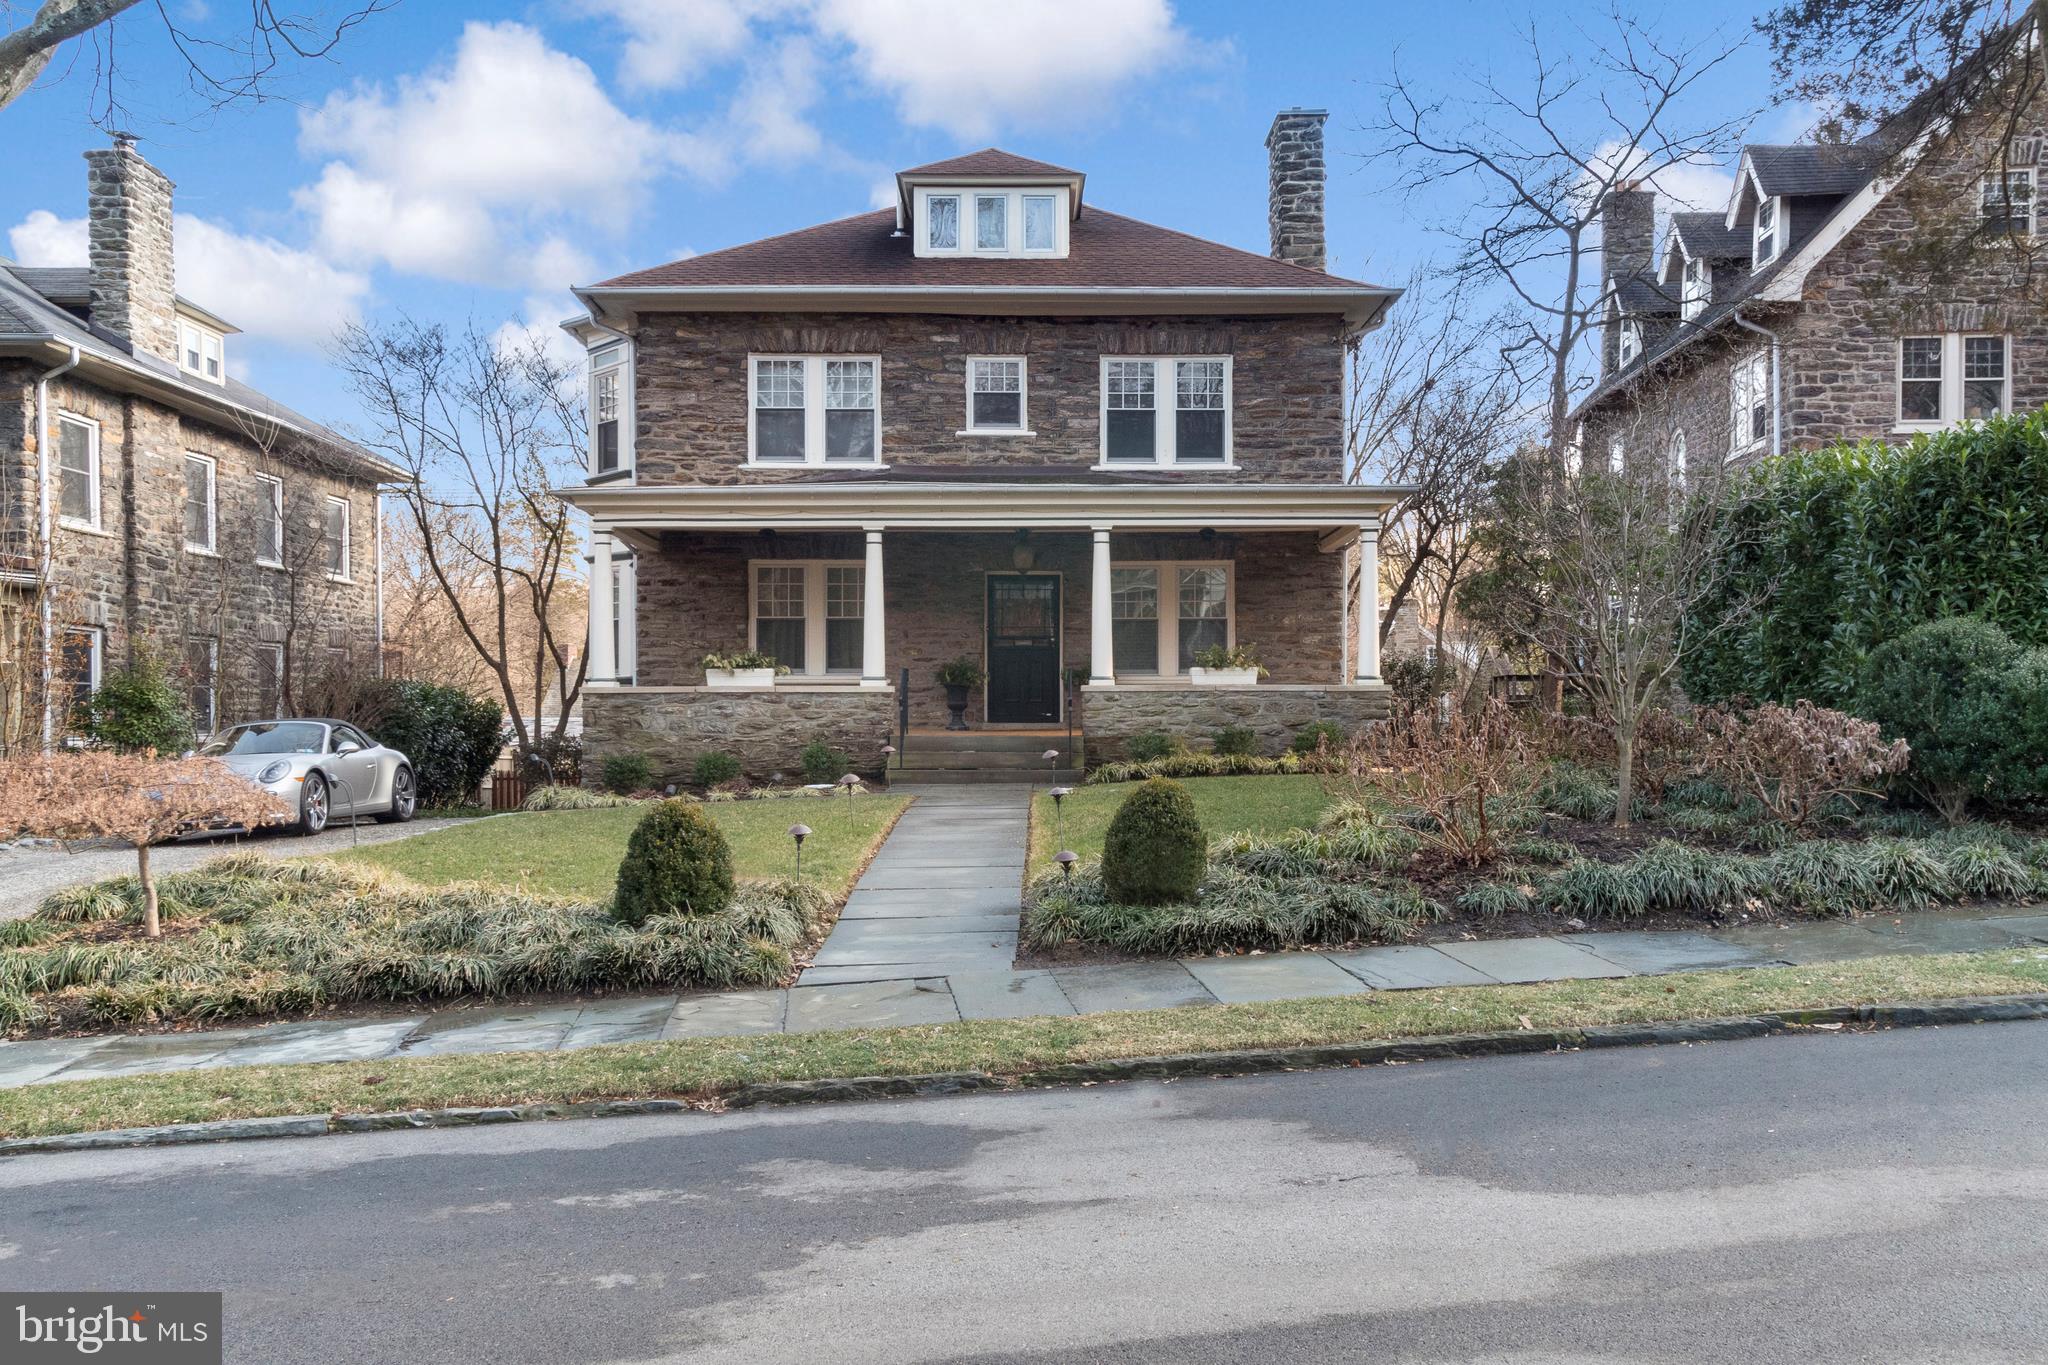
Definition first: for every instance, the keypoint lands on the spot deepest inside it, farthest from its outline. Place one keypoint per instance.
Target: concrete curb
(1921, 1014)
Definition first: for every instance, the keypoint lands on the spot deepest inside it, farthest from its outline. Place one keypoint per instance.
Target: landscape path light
(852, 784)
(799, 833)
(1059, 817)
(1066, 858)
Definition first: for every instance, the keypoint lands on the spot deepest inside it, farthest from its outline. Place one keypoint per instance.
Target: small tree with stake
(140, 798)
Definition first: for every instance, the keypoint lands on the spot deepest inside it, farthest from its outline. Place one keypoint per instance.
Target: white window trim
(1629, 346)
(1757, 366)
(2033, 200)
(348, 548)
(1013, 234)
(276, 652)
(1165, 397)
(211, 546)
(1023, 398)
(1169, 610)
(1694, 303)
(212, 686)
(814, 413)
(1756, 234)
(622, 357)
(1617, 454)
(96, 639)
(92, 447)
(207, 338)
(1952, 346)
(814, 669)
(274, 495)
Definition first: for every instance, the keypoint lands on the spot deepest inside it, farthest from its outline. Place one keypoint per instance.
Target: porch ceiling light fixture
(1023, 554)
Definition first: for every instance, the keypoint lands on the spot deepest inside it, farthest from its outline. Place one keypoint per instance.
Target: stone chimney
(128, 212)
(1628, 238)
(1294, 166)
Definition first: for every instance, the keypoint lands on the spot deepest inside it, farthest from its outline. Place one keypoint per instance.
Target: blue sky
(471, 161)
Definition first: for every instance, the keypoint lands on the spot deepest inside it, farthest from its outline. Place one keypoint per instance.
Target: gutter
(43, 532)
(1777, 387)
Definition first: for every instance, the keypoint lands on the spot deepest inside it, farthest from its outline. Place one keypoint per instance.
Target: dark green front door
(1023, 649)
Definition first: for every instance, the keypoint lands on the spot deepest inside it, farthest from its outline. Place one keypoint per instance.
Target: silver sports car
(322, 767)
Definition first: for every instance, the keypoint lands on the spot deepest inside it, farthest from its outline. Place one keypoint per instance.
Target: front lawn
(576, 852)
(1226, 805)
(703, 1068)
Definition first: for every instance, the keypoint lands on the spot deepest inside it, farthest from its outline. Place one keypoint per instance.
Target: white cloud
(266, 288)
(671, 42)
(446, 172)
(970, 69)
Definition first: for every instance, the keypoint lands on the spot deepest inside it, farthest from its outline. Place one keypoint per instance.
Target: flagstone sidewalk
(928, 937)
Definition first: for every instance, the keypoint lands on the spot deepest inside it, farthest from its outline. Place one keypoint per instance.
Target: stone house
(151, 500)
(992, 422)
(1868, 290)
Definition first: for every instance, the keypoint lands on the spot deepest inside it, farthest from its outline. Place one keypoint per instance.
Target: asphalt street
(1841, 1197)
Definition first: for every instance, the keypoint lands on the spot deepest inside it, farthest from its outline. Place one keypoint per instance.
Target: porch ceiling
(884, 505)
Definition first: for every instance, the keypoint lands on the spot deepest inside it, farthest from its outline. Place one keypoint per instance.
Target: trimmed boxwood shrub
(823, 763)
(714, 767)
(451, 737)
(137, 708)
(1150, 746)
(1236, 741)
(1318, 734)
(624, 773)
(677, 862)
(1156, 850)
(1849, 546)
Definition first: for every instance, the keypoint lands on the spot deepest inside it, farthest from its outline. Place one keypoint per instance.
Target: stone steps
(986, 741)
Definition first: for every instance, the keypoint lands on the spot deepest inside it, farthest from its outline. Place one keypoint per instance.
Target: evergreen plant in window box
(1217, 666)
(741, 668)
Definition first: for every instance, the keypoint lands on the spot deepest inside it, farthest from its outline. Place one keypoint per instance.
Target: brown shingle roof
(991, 161)
(1106, 251)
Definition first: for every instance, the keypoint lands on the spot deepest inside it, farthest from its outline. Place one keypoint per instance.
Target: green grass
(576, 852)
(1257, 805)
(705, 1067)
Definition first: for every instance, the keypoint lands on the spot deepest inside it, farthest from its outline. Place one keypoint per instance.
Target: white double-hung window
(1953, 377)
(269, 520)
(1699, 280)
(200, 351)
(1166, 410)
(1749, 404)
(2006, 203)
(1767, 237)
(78, 471)
(611, 426)
(814, 410)
(1162, 615)
(334, 536)
(202, 517)
(807, 614)
(995, 396)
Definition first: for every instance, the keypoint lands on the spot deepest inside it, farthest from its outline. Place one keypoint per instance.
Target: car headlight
(274, 772)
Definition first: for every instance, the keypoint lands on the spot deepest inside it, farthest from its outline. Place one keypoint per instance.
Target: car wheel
(313, 804)
(405, 799)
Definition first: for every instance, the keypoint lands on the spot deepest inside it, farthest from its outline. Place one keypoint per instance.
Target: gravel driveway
(29, 874)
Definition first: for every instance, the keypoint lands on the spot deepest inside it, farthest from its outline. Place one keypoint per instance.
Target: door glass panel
(1204, 612)
(844, 607)
(1134, 619)
(779, 614)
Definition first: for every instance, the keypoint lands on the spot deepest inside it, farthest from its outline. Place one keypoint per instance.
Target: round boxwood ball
(677, 862)
(1156, 850)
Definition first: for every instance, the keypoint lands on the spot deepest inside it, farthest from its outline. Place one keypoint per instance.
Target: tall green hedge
(451, 737)
(1840, 549)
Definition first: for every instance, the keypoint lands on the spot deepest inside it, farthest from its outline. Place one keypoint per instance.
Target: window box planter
(739, 677)
(1223, 677)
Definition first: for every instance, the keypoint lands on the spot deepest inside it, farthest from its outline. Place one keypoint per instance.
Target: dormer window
(1041, 222)
(1630, 346)
(995, 221)
(1768, 236)
(1699, 281)
(200, 351)
(991, 222)
(942, 222)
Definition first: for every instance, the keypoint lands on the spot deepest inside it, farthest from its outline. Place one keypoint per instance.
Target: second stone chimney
(1294, 169)
(128, 216)
(1628, 239)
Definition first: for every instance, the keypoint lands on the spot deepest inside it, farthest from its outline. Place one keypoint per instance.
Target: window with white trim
(1767, 238)
(811, 410)
(1169, 611)
(611, 427)
(1749, 403)
(2006, 203)
(1199, 432)
(201, 351)
(79, 649)
(979, 220)
(942, 222)
(269, 520)
(334, 527)
(1699, 282)
(808, 614)
(1616, 453)
(995, 395)
(1041, 222)
(78, 471)
(269, 668)
(992, 222)
(1629, 345)
(1677, 458)
(200, 658)
(202, 517)
(1953, 377)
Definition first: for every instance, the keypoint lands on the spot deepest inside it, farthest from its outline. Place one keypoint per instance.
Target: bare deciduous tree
(486, 429)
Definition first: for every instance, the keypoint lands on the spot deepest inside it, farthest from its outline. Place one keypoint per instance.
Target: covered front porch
(1083, 608)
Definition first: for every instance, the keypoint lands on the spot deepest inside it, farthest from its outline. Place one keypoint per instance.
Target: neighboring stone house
(993, 422)
(1847, 291)
(148, 499)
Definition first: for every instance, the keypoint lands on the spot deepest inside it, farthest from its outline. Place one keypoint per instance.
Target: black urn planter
(956, 706)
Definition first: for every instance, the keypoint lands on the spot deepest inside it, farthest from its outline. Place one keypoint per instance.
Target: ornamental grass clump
(1155, 850)
(575, 798)
(677, 862)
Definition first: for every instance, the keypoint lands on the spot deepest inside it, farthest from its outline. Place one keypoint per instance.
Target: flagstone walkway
(928, 937)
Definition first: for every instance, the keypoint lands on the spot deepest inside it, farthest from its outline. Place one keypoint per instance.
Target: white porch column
(1101, 629)
(602, 663)
(874, 668)
(1369, 603)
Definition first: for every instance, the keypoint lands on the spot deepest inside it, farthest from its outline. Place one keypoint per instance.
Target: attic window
(199, 351)
(991, 221)
(2007, 204)
(1767, 234)
(1699, 280)
(1630, 346)
(942, 222)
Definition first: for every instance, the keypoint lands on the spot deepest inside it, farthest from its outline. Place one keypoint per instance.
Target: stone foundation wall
(766, 730)
(1111, 715)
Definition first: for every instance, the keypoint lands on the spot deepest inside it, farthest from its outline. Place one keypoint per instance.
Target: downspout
(43, 532)
(1777, 390)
